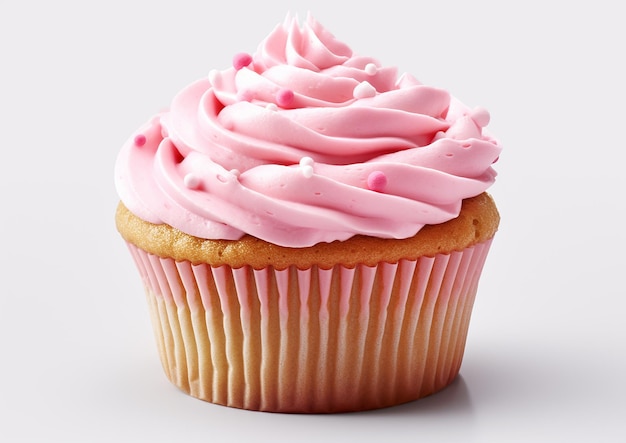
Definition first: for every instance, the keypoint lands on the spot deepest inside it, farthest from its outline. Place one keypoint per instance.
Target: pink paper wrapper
(314, 340)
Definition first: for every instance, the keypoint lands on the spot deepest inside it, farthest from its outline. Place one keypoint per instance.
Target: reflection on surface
(453, 400)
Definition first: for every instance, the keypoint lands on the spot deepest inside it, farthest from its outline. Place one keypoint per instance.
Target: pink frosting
(306, 142)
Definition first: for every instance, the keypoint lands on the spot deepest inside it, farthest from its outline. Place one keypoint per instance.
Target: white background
(546, 354)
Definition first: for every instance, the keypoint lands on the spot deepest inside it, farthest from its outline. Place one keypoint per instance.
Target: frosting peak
(305, 142)
(310, 47)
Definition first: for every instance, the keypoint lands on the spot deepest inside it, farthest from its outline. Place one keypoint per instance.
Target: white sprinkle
(364, 90)
(235, 172)
(306, 161)
(271, 107)
(191, 181)
(371, 69)
(307, 171)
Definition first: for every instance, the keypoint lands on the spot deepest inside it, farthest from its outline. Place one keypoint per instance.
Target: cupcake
(310, 228)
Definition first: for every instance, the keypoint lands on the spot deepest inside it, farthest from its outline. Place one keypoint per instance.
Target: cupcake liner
(313, 340)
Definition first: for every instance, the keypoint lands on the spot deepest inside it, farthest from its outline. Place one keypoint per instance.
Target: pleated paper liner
(315, 340)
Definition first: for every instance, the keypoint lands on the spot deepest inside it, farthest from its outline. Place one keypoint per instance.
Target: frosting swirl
(306, 142)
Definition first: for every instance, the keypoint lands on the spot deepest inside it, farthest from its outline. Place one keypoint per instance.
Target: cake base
(312, 340)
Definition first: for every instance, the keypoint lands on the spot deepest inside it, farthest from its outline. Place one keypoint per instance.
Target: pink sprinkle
(140, 140)
(191, 181)
(284, 98)
(480, 116)
(377, 181)
(241, 60)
